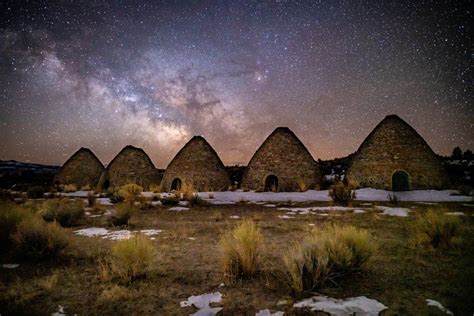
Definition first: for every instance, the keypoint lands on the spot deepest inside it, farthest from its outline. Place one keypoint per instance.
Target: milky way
(103, 75)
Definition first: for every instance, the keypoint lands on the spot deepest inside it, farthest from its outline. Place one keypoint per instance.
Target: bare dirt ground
(402, 274)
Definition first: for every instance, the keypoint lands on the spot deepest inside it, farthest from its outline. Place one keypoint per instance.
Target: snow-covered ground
(202, 302)
(114, 234)
(366, 194)
(360, 305)
(438, 305)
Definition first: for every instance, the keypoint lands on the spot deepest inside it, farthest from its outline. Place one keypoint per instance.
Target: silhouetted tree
(457, 153)
(468, 155)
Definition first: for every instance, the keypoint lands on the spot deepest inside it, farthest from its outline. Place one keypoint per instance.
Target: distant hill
(9, 166)
(20, 175)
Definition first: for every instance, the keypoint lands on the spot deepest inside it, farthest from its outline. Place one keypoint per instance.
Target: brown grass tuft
(241, 250)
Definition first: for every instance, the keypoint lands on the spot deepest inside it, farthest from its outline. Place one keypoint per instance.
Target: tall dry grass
(132, 258)
(37, 240)
(130, 192)
(327, 254)
(438, 229)
(241, 250)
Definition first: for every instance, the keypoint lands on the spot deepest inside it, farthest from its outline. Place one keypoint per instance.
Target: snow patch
(10, 265)
(365, 194)
(103, 201)
(234, 216)
(437, 304)
(91, 232)
(81, 194)
(285, 216)
(359, 305)
(456, 213)
(114, 235)
(269, 205)
(202, 303)
(393, 211)
(266, 312)
(178, 208)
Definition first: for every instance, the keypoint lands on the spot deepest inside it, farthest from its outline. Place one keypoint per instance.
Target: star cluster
(104, 74)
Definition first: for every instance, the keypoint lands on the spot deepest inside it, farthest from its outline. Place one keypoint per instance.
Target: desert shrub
(342, 193)
(465, 190)
(65, 211)
(122, 214)
(327, 254)
(91, 199)
(302, 187)
(35, 239)
(394, 199)
(186, 192)
(11, 216)
(155, 188)
(69, 212)
(437, 228)
(130, 192)
(49, 209)
(196, 200)
(70, 188)
(132, 258)
(86, 187)
(170, 200)
(35, 192)
(241, 250)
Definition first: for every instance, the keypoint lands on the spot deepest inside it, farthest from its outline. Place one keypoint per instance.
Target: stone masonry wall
(394, 146)
(82, 169)
(197, 165)
(283, 155)
(131, 165)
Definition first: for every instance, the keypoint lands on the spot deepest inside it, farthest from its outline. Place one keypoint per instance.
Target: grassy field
(402, 274)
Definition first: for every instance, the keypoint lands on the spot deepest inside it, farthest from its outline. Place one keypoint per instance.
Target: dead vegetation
(107, 277)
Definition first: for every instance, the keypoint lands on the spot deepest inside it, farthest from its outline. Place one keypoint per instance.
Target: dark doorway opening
(400, 181)
(271, 183)
(176, 185)
(106, 184)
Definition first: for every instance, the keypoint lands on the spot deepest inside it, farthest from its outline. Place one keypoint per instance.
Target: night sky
(105, 74)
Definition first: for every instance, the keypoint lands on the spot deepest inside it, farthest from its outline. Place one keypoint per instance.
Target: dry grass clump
(132, 258)
(302, 187)
(65, 211)
(37, 240)
(122, 214)
(186, 191)
(48, 283)
(342, 193)
(170, 200)
(115, 293)
(130, 192)
(35, 192)
(11, 215)
(241, 249)
(327, 254)
(437, 229)
(156, 188)
(394, 199)
(196, 200)
(70, 188)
